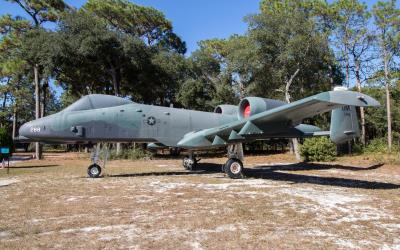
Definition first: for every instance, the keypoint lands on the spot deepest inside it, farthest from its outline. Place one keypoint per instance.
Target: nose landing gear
(94, 171)
(99, 153)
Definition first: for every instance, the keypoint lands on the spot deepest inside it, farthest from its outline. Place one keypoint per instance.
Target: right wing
(275, 120)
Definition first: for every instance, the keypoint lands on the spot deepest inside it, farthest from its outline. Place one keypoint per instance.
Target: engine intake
(226, 109)
(253, 105)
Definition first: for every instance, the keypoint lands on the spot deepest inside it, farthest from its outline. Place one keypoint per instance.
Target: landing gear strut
(190, 162)
(98, 154)
(234, 166)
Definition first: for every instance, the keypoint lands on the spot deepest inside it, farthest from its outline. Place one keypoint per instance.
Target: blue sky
(193, 20)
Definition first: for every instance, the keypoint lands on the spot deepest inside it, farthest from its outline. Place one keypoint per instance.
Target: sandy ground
(350, 204)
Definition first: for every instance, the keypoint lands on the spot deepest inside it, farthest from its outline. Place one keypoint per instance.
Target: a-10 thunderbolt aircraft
(103, 118)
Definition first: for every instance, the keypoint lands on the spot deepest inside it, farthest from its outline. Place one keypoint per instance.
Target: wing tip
(352, 98)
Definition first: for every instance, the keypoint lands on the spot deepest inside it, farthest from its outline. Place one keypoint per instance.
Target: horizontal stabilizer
(321, 133)
(155, 146)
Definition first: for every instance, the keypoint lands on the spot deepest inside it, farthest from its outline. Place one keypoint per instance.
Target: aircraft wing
(275, 120)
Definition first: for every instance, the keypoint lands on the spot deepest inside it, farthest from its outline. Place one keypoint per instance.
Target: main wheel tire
(189, 163)
(234, 168)
(94, 171)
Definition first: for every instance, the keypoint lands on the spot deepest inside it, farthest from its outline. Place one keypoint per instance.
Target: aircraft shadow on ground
(202, 168)
(21, 158)
(36, 166)
(272, 172)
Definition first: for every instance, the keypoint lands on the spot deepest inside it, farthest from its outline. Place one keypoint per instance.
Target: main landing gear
(190, 162)
(233, 167)
(100, 153)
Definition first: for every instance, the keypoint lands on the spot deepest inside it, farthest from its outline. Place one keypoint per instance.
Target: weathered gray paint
(101, 118)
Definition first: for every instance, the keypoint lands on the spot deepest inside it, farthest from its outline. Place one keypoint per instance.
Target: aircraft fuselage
(124, 123)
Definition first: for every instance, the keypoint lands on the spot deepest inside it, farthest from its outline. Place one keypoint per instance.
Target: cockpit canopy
(97, 101)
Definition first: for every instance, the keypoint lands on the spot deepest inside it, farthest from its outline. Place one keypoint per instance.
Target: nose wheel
(99, 155)
(94, 171)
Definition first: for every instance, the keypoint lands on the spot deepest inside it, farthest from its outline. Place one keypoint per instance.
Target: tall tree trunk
(44, 99)
(362, 112)
(331, 76)
(347, 72)
(89, 90)
(14, 125)
(294, 141)
(241, 89)
(4, 100)
(116, 82)
(347, 85)
(5, 95)
(387, 87)
(38, 151)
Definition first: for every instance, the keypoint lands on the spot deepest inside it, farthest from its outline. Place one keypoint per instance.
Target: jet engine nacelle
(226, 109)
(253, 105)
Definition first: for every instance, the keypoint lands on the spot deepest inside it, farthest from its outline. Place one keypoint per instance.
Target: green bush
(129, 154)
(379, 145)
(357, 149)
(5, 141)
(318, 149)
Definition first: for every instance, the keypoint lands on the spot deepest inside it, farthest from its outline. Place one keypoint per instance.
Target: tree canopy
(291, 49)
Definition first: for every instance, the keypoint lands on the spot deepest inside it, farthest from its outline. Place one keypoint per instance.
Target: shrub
(318, 149)
(379, 145)
(129, 154)
(357, 148)
(5, 141)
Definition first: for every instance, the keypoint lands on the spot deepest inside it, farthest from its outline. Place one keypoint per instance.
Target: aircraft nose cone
(32, 129)
(24, 130)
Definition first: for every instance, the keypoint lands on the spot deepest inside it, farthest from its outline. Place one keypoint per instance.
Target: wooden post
(8, 165)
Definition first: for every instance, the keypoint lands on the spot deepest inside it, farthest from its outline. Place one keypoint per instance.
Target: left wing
(275, 120)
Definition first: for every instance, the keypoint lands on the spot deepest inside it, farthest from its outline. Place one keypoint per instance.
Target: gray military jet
(103, 118)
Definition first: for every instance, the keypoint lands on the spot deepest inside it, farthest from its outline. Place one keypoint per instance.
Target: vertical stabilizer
(344, 123)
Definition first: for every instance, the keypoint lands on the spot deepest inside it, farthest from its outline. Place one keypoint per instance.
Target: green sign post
(5, 152)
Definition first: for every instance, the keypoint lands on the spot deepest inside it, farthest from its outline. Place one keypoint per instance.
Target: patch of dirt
(6, 182)
(156, 204)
